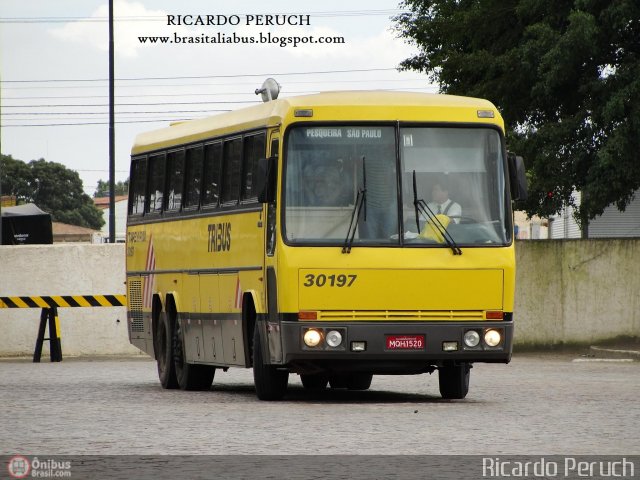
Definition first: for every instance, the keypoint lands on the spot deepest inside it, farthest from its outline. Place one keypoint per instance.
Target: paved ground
(539, 404)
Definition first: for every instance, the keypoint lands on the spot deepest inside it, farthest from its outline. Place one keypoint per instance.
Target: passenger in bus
(325, 185)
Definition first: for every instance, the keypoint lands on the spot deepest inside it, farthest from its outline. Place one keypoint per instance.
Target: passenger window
(193, 173)
(231, 171)
(175, 179)
(211, 174)
(254, 148)
(138, 178)
(156, 183)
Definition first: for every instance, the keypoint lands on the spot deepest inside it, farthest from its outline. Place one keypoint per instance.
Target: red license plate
(405, 342)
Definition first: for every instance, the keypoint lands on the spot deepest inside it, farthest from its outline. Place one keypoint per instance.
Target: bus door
(270, 261)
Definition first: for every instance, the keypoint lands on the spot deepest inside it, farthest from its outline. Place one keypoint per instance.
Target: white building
(611, 224)
(120, 213)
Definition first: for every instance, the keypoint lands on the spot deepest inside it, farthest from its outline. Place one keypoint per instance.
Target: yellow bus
(335, 236)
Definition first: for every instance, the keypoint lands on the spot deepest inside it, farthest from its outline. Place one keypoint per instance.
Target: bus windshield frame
(374, 176)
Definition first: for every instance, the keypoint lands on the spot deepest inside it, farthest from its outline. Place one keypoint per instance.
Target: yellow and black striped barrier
(64, 301)
(49, 306)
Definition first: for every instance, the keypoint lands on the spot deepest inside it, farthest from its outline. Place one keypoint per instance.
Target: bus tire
(189, 376)
(337, 382)
(271, 383)
(164, 354)
(454, 380)
(359, 381)
(315, 383)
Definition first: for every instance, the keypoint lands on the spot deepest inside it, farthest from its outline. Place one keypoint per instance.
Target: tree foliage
(564, 74)
(52, 187)
(121, 188)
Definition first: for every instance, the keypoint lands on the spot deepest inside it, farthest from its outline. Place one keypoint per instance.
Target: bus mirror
(517, 177)
(266, 181)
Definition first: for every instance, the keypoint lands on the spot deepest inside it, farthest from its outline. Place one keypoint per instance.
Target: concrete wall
(567, 291)
(577, 290)
(64, 269)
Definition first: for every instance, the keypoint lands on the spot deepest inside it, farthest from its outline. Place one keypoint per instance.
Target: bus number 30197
(323, 280)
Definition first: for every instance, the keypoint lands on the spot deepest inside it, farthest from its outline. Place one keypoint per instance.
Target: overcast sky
(54, 68)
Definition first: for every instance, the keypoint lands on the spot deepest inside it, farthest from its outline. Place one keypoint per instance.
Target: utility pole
(112, 133)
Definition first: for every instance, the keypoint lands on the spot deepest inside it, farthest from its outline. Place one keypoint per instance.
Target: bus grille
(135, 305)
(397, 315)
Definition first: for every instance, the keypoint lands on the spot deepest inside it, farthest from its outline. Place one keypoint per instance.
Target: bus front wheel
(454, 380)
(271, 383)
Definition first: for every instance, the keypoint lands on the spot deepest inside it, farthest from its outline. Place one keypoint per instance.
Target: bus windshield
(448, 183)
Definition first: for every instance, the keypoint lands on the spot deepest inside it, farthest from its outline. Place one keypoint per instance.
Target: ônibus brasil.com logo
(22, 467)
(19, 466)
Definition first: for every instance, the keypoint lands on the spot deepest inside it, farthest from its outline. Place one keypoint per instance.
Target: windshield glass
(326, 167)
(337, 176)
(458, 175)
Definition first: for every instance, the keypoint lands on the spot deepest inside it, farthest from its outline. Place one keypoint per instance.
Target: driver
(441, 204)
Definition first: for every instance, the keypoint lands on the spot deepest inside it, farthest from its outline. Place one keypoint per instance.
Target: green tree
(121, 188)
(14, 175)
(52, 187)
(564, 74)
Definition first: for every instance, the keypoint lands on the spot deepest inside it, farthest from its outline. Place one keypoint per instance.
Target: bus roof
(327, 106)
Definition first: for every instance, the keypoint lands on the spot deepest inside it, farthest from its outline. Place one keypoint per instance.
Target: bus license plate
(405, 342)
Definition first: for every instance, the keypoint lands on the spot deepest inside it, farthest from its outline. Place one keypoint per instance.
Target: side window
(254, 148)
(156, 183)
(231, 172)
(175, 179)
(211, 174)
(193, 173)
(137, 195)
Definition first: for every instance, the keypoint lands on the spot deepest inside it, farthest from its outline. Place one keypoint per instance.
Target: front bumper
(379, 357)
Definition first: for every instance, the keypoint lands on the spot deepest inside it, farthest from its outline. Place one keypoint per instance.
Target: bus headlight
(334, 338)
(471, 338)
(492, 338)
(312, 338)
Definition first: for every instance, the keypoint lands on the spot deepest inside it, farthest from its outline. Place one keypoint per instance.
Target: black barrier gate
(55, 347)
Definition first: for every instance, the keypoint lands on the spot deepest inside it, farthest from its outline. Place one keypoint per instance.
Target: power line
(95, 123)
(200, 77)
(207, 94)
(66, 105)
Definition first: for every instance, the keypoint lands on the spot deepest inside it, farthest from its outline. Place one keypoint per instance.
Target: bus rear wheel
(351, 381)
(359, 381)
(454, 380)
(189, 376)
(314, 383)
(164, 352)
(271, 383)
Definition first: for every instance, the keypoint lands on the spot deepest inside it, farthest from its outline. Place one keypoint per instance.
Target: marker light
(486, 114)
(358, 346)
(334, 338)
(449, 346)
(303, 112)
(471, 338)
(312, 338)
(492, 338)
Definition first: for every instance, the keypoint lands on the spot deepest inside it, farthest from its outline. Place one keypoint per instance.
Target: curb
(616, 351)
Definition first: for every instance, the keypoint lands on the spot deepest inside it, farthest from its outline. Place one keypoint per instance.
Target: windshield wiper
(361, 199)
(422, 207)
